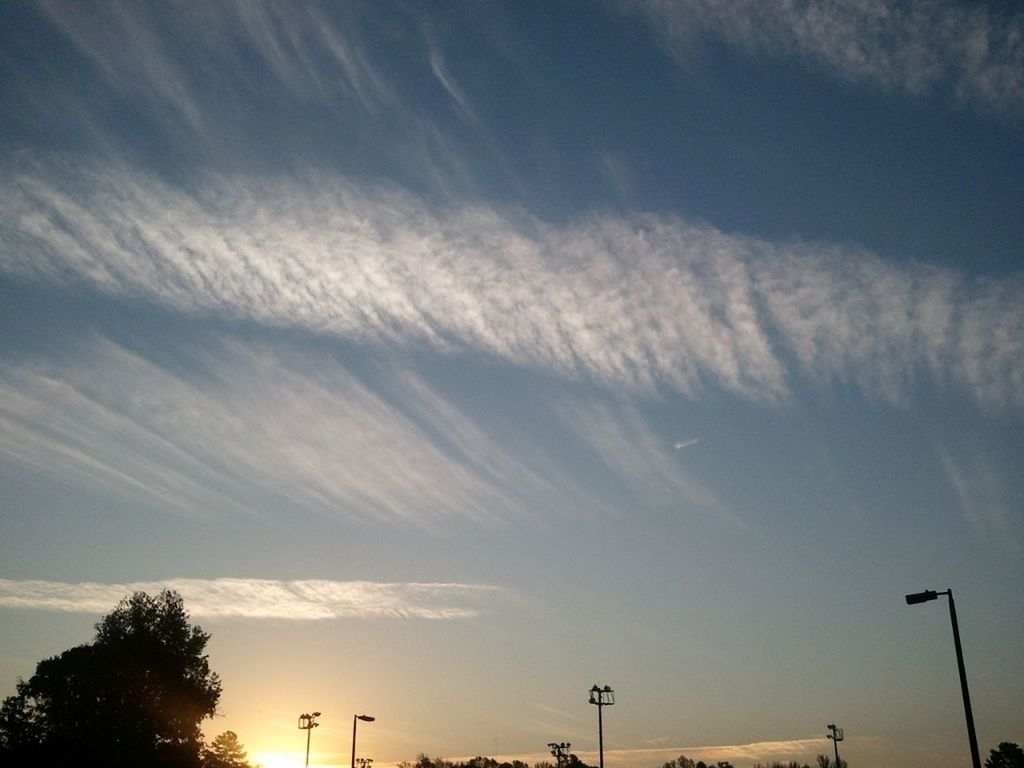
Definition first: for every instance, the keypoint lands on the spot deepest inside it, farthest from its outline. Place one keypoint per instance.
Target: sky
(450, 358)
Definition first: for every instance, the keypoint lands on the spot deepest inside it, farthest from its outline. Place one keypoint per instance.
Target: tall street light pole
(307, 722)
(601, 697)
(924, 597)
(356, 719)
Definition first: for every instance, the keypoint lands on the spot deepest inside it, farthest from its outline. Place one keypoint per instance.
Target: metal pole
(971, 736)
(353, 763)
(307, 723)
(836, 745)
(600, 731)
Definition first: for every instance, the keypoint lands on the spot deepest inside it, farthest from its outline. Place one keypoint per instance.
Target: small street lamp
(924, 597)
(307, 723)
(601, 697)
(560, 751)
(836, 736)
(356, 719)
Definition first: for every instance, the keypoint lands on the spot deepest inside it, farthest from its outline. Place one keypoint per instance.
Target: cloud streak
(231, 434)
(304, 54)
(204, 78)
(645, 302)
(984, 500)
(627, 447)
(302, 600)
(975, 51)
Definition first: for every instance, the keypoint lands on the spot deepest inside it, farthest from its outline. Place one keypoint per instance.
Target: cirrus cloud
(300, 600)
(976, 50)
(643, 302)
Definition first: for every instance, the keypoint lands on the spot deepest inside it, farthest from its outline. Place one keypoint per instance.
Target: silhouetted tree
(1007, 755)
(425, 761)
(133, 697)
(226, 751)
(680, 762)
(684, 762)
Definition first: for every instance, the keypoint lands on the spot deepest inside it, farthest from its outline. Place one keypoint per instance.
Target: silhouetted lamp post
(307, 723)
(356, 719)
(924, 597)
(836, 736)
(602, 697)
(560, 751)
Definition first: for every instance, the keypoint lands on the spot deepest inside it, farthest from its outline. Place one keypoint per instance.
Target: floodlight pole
(560, 751)
(602, 697)
(836, 736)
(355, 719)
(923, 597)
(307, 722)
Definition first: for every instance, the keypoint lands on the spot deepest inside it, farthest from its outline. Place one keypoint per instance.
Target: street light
(602, 697)
(355, 719)
(307, 723)
(836, 736)
(924, 597)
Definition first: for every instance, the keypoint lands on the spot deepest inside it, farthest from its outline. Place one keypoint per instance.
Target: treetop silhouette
(134, 696)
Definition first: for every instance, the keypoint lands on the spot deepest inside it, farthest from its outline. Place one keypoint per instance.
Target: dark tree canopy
(821, 761)
(425, 761)
(1007, 755)
(685, 762)
(135, 696)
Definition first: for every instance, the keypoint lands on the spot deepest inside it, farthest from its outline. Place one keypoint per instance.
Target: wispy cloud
(447, 81)
(198, 74)
(231, 430)
(802, 750)
(303, 600)
(118, 33)
(688, 443)
(298, 51)
(983, 498)
(644, 302)
(975, 51)
(624, 442)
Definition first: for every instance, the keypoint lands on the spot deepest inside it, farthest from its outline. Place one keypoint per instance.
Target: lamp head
(366, 718)
(922, 597)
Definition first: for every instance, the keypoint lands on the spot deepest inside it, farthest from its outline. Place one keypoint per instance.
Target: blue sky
(450, 358)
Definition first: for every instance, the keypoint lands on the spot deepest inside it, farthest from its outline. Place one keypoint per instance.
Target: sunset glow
(450, 358)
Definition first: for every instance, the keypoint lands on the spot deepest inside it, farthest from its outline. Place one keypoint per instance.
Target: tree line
(137, 695)
(425, 761)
